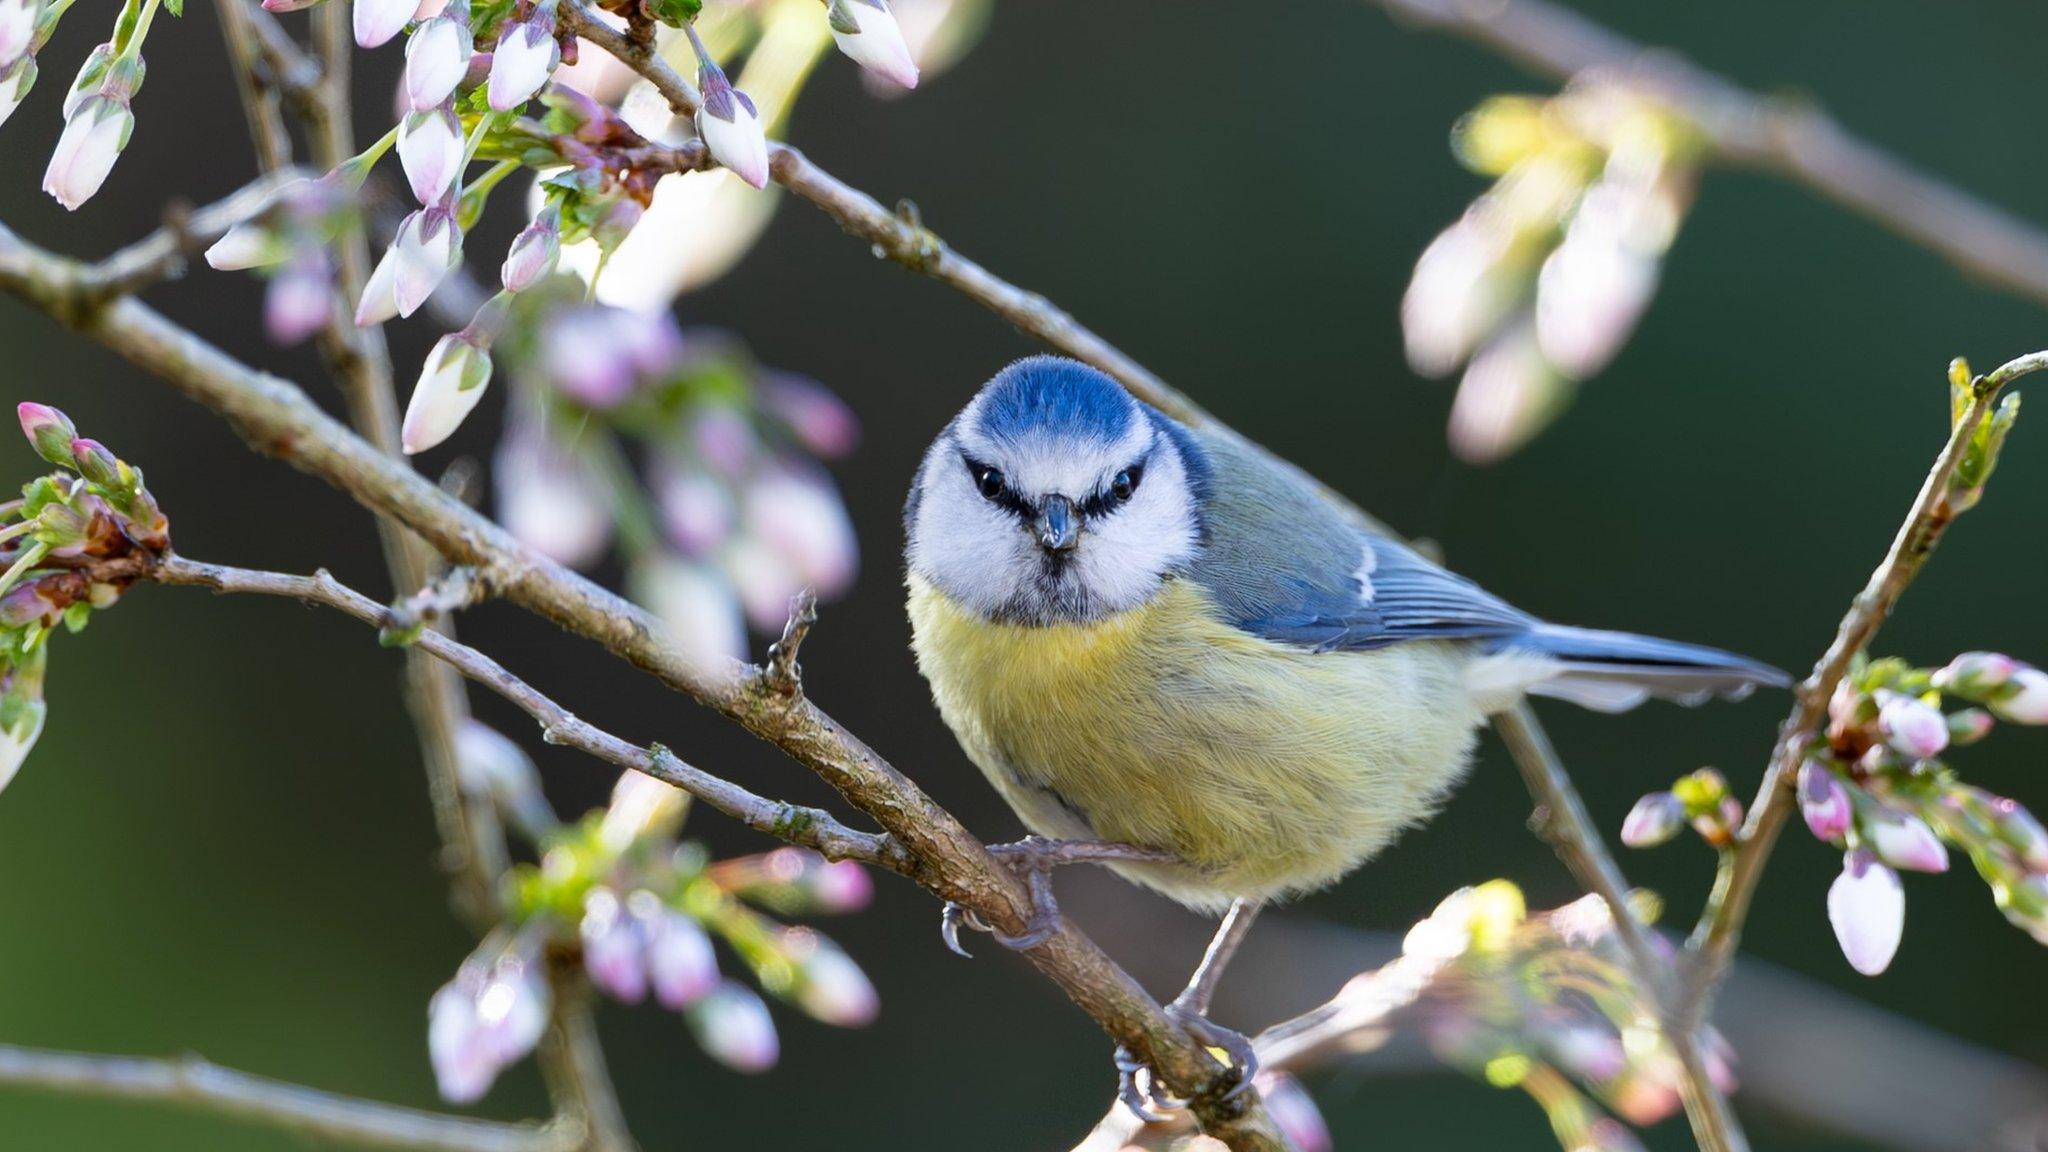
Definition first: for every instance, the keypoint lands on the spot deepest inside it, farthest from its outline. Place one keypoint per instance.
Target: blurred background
(223, 844)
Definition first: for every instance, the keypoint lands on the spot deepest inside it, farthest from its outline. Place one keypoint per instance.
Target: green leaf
(674, 13)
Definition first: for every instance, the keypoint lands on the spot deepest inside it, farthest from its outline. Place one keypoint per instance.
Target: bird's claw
(1032, 858)
(1138, 1086)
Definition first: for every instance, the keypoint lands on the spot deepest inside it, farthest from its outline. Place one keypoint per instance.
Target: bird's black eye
(1124, 483)
(988, 481)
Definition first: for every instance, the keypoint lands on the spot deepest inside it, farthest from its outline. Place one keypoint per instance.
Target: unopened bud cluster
(73, 542)
(98, 118)
(1542, 1003)
(1541, 282)
(643, 917)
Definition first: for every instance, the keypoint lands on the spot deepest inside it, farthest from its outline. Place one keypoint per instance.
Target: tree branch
(192, 1081)
(1720, 927)
(810, 827)
(1789, 137)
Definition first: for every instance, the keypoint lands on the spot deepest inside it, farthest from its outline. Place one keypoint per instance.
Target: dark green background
(223, 844)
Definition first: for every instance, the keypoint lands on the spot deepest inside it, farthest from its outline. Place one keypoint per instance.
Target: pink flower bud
(731, 128)
(463, 1066)
(1590, 1052)
(724, 440)
(821, 421)
(1972, 673)
(1595, 285)
(797, 513)
(430, 148)
(1657, 817)
(550, 498)
(840, 886)
(831, 987)
(300, 298)
(377, 21)
(1914, 728)
(93, 138)
(97, 464)
(524, 58)
(2025, 697)
(696, 510)
(598, 356)
(680, 963)
(512, 1009)
(1294, 1112)
(765, 580)
(250, 244)
(534, 252)
(1867, 907)
(733, 1025)
(1824, 801)
(450, 384)
(1904, 841)
(427, 248)
(1968, 726)
(50, 431)
(2022, 832)
(867, 32)
(436, 59)
(698, 609)
(613, 951)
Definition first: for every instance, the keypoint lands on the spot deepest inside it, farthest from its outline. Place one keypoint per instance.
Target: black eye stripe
(981, 475)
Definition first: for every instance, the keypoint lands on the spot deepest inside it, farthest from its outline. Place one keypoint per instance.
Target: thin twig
(1789, 137)
(162, 254)
(257, 83)
(195, 1082)
(1720, 926)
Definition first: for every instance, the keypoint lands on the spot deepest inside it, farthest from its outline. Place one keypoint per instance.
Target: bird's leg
(1136, 1086)
(1033, 858)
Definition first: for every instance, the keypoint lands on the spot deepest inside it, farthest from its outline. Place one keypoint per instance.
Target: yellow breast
(1267, 768)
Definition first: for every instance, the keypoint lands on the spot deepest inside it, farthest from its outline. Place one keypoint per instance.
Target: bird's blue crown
(1052, 396)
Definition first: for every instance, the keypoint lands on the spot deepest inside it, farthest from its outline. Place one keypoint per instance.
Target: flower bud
(26, 604)
(798, 514)
(525, 56)
(1457, 295)
(250, 244)
(733, 1025)
(696, 510)
(820, 421)
(49, 430)
(1589, 1051)
(1867, 907)
(300, 298)
(764, 579)
(512, 1010)
(2022, 832)
(450, 384)
(2025, 698)
(549, 498)
(1657, 817)
(1974, 673)
(534, 252)
(22, 712)
(93, 138)
(1824, 801)
(681, 966)
(92, 76)
(18, 20)
(831, 987)
(1508, 394)
(1294, 1112)
(1904, 841)
(16, 80)
(377, 21)
(724, 439)
(427, 248)
(840, 886)
(698, 609)
(867, 32)
(731, 127)
(97, 464)
(1595, 285)
(1914, 728)
(437, 58)
(489, 764)
(642, 808)
(430, 149)
(2025, 904)
(1968, 726)
(463, 1067)
(613, 952)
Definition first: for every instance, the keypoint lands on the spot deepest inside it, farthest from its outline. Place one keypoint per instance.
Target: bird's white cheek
(972, 551)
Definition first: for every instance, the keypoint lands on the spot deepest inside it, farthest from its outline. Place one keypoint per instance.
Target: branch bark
(195, 1082)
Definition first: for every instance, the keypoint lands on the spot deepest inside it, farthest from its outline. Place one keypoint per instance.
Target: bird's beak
(1058, 530)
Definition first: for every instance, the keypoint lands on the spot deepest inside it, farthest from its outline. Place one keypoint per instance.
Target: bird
(1174, 657)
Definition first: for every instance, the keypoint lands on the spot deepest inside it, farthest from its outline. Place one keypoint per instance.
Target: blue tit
(1150, 635)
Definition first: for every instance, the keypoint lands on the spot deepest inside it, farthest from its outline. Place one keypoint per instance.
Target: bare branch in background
(197, 1083)
(1783, 135)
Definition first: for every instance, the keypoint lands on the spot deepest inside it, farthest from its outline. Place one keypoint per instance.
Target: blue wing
(1281, 564)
